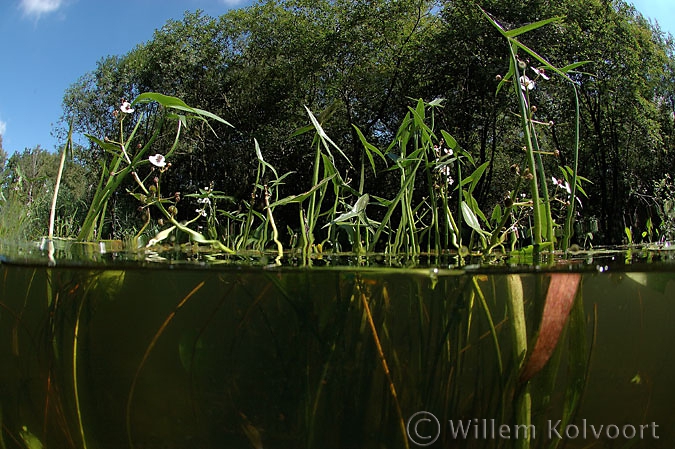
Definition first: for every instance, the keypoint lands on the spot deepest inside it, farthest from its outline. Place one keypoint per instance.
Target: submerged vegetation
(343, 357)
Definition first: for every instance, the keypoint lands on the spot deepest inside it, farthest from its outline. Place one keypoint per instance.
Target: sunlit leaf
(470, 218)
(532, 26)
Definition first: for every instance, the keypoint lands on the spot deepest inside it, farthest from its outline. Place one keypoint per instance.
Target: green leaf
(532, 26)
(355, 211)
(474, 177)
(369, 149)
(160, 236)
(211, 115)
(470, 218)
(474, 207)
(110, 147)
(494, 23)
(496, 214)
(570, 67)
(258, 153)
(449, 140)
(324, 137)
(164, 100)
(436, 102)
(175, 103)
(303, 196)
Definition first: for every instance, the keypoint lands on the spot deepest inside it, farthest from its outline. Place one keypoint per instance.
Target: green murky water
(247, 357)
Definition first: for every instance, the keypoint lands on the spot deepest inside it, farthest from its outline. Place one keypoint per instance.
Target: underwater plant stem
(517, 315)
(524, 415)
(516, 311)
(74, 367)
(491, 324)
(385, 366)
(147, 352)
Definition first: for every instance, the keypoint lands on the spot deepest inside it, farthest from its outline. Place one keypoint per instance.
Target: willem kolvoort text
(489, 429)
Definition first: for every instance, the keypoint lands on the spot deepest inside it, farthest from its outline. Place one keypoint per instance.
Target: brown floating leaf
(559, 300)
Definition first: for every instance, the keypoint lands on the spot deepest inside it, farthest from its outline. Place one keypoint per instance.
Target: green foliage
(360, 63)
(126, 162)
(26, 193)
(664, 202)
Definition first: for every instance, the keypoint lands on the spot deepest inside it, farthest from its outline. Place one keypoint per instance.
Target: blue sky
(46, 45)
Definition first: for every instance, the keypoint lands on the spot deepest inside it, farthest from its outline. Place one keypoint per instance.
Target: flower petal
(126, 107)
(157, 160)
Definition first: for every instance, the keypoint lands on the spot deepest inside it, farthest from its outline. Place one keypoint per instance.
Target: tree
(258, 68)
(361, 63)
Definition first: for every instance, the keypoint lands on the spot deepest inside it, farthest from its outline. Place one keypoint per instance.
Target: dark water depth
(334, 358)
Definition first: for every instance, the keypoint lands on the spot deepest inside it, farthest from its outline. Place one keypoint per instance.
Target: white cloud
(37, 8)
(3, 127)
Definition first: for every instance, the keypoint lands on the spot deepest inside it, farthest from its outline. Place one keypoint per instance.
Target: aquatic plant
(434, 211)
(543, 227)
(129, 157)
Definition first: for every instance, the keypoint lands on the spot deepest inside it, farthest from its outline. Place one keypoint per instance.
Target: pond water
(120, 355)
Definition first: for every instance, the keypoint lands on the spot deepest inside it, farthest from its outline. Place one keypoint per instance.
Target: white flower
(541, 73)
(446, 173)
(157, 160)
(203, 200)
(201, 212)
(126, 107)
(562, 184)
(526, 83)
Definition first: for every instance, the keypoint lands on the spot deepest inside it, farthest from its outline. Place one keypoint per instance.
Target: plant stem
(52, 213)
(524, 114)
(569, 219)
(275, 233)
(516, 315)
